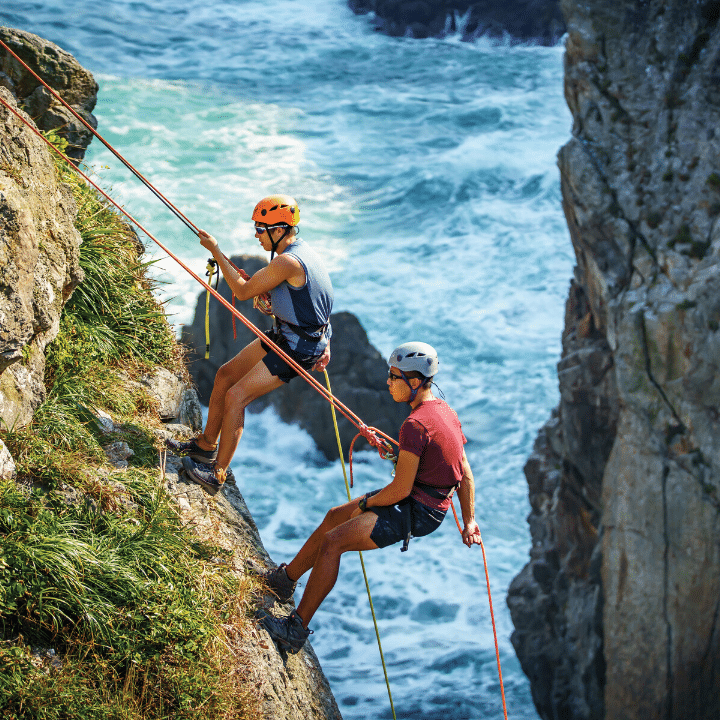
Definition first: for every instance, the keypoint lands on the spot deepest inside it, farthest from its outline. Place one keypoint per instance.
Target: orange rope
(492, 619)
(383, 444)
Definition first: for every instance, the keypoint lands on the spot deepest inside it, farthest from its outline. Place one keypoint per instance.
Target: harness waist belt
(436, 492)
(304, 333)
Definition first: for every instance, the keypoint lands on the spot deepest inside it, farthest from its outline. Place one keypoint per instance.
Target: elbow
(401, 494)
(241, 293)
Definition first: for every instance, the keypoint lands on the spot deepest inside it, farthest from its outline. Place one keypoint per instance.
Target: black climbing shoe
(279, 583)
(288, 632)
(210, 477)
(191, 449)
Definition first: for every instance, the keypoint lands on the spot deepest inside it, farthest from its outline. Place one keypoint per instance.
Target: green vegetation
(143, 617)
(696, 249)
(713, 180)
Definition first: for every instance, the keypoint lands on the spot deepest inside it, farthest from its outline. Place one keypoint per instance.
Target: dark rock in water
(358, 373)
(539, 21)
(63, 74)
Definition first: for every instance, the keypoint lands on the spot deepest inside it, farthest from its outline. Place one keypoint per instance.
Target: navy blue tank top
(303, 313)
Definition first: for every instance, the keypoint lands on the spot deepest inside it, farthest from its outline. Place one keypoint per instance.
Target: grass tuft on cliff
(109, 607)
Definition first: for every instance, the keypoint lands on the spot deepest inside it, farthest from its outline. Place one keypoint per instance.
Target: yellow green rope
(362, 562)
(210, 272)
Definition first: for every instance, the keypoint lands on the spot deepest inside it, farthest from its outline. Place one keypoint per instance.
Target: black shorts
(277, 365)
(390, 528)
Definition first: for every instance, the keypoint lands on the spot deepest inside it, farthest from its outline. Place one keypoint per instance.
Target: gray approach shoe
(288, 632)
(211, 478)
(277, 580)
(191, 449)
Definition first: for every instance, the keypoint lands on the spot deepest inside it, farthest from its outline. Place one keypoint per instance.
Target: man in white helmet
(431, 465)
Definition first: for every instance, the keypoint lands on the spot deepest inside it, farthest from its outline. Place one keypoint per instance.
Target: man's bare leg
(228, 375)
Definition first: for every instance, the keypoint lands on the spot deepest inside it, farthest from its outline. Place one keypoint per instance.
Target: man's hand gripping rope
(384, 447)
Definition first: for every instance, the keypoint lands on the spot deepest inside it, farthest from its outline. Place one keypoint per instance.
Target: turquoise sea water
(425, 171)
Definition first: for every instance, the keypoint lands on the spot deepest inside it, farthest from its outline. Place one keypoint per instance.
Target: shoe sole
(189, 471)
(282, 644)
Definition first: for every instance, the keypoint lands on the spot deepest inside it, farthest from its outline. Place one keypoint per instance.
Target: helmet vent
(274, 207)
(263, 211)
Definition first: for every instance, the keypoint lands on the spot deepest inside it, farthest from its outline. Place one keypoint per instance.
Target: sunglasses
(392, 376)
(260, 230)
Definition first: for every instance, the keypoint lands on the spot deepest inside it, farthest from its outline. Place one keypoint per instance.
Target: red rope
(492, 619)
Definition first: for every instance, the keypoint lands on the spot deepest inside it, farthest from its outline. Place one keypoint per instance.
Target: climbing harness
(378, 439)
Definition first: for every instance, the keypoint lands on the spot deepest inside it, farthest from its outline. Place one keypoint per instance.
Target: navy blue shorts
(390, 528)
(277, 365)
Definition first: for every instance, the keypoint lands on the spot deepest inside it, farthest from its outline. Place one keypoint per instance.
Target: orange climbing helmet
(277, 210)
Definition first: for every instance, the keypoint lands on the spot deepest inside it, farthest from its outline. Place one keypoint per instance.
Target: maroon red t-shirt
(433, 433)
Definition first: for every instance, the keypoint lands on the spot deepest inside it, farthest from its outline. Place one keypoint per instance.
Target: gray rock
(357, 372)
(616, 612)
(167, 390)
(190, 413)
(63, 74)
(118, 453)
(7, 464)
(39, 263)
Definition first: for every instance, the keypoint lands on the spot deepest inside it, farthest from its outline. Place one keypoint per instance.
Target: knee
(333, 518)
(223, 376)
(236, 397)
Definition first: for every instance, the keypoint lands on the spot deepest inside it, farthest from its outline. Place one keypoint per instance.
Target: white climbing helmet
(415, 357)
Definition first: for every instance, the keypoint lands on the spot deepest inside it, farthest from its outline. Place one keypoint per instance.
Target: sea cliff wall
(616, 613)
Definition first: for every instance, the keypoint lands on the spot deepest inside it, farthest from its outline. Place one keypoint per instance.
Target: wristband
(363, 503)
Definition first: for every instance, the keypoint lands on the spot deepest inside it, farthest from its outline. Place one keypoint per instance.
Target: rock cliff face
(63, 73)
(616, 613)
(39, 268)
(358, 374)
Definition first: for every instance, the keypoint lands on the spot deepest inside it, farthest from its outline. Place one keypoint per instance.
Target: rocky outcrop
(39, 263)
(616, 614)
(358, 374)
(63, 74)
(538, 21)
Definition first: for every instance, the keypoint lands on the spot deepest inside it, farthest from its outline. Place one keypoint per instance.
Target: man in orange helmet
(301, 298)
